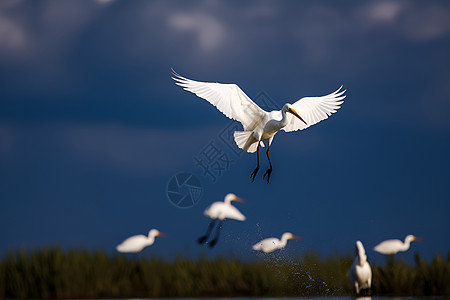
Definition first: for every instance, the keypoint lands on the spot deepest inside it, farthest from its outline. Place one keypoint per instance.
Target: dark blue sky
(92, 127)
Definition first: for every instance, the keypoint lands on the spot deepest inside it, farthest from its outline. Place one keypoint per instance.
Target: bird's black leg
(203, 239)
(255, 171)
(213, 242)
(269, 170)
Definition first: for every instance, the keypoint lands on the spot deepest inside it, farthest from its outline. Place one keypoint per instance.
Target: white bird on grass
(271, 244)
(391, 247)
(360, 271)
(221, 211)
(258, 124)
(138, 242)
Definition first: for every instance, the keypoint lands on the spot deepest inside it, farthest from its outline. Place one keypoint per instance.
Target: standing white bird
(258, 124)
(220, 211)
(390, 247)
(271, 244)
(360, 271)
(138, 242)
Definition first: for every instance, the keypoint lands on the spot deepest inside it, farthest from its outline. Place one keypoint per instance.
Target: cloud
(255, 38)
(383, 11)
(47, 31)
(13, 36)
(44, 30)
(321, 29)
(209, 32)
(417, 21)
(427, 22)
(104, 2)
(37, 40)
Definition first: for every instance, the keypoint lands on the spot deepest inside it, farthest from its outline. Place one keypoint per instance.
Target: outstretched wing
(314, 109)
(228, 98)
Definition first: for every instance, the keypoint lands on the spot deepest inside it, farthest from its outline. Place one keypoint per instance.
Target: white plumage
(224, 210)
(258, 124)
(389, 247)
(138, 242)
(360, 271)
(271, 244)
(219, 211)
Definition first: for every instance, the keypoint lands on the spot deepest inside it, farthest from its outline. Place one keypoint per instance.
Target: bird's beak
(162, 234)
(239, 200)
(296, 237)
(292, 111)
(418, 239)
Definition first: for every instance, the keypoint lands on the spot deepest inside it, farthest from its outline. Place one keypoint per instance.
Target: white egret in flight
(390, 247)
(271, 244)
(258, 124)
(360, 271)
(138, 242)
(220, 211)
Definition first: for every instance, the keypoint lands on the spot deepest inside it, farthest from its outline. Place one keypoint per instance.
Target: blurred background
(92, 127)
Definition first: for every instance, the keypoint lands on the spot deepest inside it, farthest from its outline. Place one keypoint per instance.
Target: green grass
(53, 273)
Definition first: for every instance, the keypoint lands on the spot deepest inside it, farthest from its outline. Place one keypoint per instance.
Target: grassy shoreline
(53, 273)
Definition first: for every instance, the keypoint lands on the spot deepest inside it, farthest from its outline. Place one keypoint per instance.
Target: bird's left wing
(314, 109)
(227, 98)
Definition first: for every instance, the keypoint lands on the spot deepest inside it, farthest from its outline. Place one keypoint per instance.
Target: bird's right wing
(314, 109)
(228, 98)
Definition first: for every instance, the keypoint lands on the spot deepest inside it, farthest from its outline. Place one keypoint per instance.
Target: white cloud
(383, 11)
(104, 2)
(321, 28)
(419, 21)
(12, 36)
(426, 22)
(209, 32)
(44, 31)
(39, 37)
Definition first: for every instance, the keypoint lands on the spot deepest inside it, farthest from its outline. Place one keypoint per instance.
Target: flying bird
(138, 242)
(390, 247)
(260, 125)
(360, 271)
(218, 212)
(271, 244)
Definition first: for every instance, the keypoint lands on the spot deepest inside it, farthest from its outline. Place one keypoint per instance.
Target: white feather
(314, 109)
(224, 210)
(258, 124)
(389, 247)
(360, 271)
(228, 98)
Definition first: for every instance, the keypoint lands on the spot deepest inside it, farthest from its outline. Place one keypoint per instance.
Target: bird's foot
(212, 243)
(253, 175)
(268, 172)
(202, 239)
